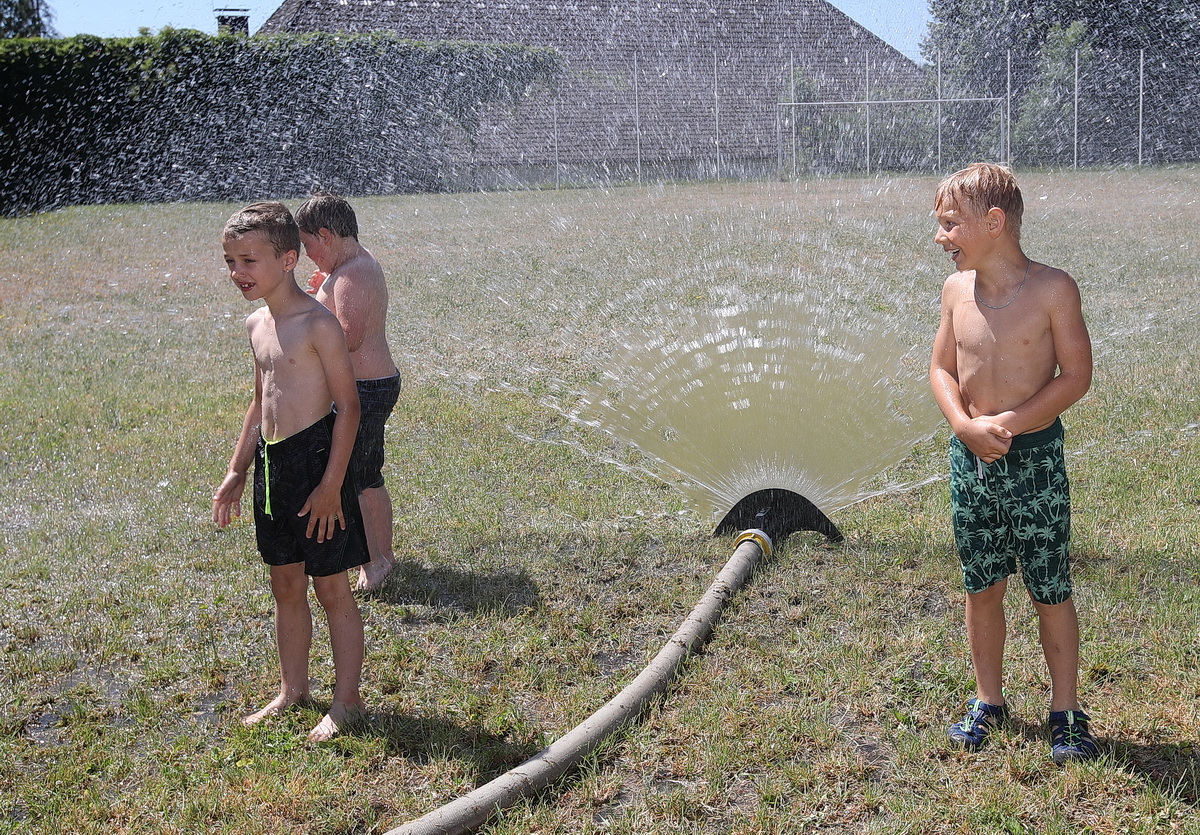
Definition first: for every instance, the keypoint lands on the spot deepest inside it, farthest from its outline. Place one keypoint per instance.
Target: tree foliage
(26, 19)
(1027, 49)
(186, 116)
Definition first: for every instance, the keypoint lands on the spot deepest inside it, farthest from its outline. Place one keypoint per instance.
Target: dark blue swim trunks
(1016, 508)
(376, 400)
(285, 474)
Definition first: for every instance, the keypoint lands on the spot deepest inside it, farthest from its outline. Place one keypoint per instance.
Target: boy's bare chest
(283, 351)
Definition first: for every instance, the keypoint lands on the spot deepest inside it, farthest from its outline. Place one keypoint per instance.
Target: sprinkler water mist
(778, 513)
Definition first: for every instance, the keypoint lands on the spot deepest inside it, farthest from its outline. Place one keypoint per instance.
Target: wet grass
(536, 579)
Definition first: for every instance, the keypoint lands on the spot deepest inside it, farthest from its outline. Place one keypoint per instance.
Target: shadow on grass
(505, 592)
(1172, 767)
(426, 739)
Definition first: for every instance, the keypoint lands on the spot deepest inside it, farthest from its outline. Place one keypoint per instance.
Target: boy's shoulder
(1053, 281)
(363, 266)
(257, 317)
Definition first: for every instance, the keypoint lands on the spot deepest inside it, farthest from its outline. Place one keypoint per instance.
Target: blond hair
(272, 219)
(981, 187)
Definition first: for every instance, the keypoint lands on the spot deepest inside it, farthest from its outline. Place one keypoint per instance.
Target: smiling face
(255, 268)
(961, 233)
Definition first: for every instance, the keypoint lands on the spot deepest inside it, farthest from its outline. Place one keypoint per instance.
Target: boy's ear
(326, 236)
(995, 221)
(290, 259)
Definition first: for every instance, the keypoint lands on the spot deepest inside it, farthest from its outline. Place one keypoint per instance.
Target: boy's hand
(988, 440)
(227, 501)
(324, 509)
(315, 281)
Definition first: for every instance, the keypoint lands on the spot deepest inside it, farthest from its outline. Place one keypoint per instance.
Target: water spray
(785, 401)
(774, 514)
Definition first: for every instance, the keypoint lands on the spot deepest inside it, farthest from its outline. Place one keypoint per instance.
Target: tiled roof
(708, 72)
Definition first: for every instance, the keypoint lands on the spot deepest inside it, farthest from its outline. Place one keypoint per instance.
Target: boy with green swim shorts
(1012, 352)
(299, 430)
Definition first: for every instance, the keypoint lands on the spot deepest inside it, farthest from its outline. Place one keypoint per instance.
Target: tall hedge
(186, 116)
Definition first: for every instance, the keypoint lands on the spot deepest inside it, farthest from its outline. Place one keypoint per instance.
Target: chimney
(233, 21)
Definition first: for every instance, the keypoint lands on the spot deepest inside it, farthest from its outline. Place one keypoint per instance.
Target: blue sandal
(1070, 738)
(972, 730)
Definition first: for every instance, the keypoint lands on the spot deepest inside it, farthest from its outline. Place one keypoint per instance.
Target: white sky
(901, 23)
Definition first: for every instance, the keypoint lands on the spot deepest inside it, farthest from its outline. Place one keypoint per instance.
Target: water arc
(793, 401)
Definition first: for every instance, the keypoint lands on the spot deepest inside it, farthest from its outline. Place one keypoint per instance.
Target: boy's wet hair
(981, 187)
(272, 219)
(325, 210)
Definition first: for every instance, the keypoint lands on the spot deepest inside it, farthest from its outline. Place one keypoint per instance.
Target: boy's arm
(985, 437)
(352, 299)
(1072, 352)
(227, 501)
(324, 504)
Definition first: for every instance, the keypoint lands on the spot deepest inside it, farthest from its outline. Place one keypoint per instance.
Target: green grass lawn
(541, 567)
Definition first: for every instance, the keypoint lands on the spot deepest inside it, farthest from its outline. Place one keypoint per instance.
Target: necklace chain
(1028, 264)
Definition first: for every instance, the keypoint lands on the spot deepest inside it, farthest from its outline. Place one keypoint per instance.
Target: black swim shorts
(285, 474)
(376, 400)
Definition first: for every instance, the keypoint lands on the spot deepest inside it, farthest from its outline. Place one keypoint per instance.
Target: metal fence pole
(637, 117)
(1076, 134)
(939, 111)
(1006, 115)
(716, 116)
(791, 96)
(1141, 98)
(867, 100)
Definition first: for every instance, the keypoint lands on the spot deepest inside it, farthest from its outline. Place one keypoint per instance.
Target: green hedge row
(186, 116)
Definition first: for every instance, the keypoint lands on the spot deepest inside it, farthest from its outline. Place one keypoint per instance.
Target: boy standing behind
(1011, 353)
(350, 282)
(305, 515)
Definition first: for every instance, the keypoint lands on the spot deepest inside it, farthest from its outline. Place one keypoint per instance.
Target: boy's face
(254, 266)
(316, 247)
(960, 232)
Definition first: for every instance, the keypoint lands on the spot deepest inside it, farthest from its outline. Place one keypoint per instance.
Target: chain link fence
(754, 116)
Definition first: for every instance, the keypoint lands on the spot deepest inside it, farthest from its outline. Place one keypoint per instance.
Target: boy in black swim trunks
(299, 430)
(1011, 353)
(350, 282)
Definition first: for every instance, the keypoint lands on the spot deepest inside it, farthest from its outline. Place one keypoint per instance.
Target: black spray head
(778, 513)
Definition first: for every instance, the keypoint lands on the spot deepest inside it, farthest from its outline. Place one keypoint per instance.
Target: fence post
(637, 117)
(779, 134)
(791, 96)
(1141, 98)
(1006, 114)
(939, 111)
(716, 116)
(1075, 140)
(867, 100)
(557, 163)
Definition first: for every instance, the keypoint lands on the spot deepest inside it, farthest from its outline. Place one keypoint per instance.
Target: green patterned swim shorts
(1016, 508)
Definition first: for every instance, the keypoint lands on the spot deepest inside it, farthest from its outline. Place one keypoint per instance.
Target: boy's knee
(333, 591)
(289, 582)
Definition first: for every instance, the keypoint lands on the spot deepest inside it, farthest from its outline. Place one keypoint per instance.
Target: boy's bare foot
(334, 721)
(372, 575)
(277, 706)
